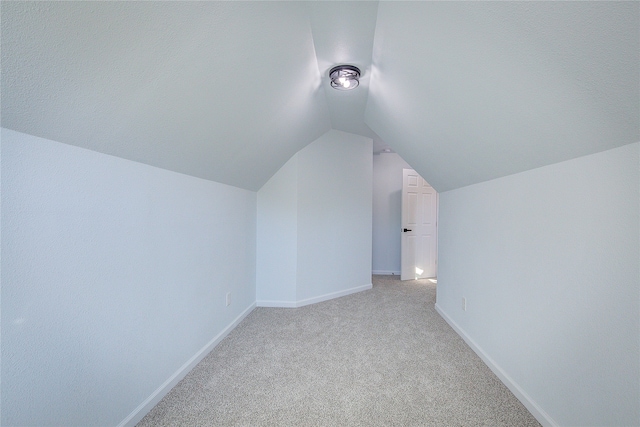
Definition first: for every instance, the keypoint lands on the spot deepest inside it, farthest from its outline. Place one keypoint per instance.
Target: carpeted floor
(382, 357)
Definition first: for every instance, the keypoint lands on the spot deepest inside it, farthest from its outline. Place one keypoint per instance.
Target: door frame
(409, 272)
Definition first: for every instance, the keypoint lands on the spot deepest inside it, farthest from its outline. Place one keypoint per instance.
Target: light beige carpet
(382, 357)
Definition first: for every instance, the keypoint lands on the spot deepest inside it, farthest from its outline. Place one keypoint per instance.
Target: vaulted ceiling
(229, 91)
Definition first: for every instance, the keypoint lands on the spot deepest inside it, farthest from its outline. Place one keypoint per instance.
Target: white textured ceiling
(228, 91)
(470, 91)
(343, 33)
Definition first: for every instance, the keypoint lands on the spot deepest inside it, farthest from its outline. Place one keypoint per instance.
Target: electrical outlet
(228, 298)
(464, 303)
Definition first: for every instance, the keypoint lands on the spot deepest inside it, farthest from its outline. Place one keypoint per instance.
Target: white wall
(334, 215)
(331, 223)
(114, 277)
(277, 242)
(387, 212)
(548, 261)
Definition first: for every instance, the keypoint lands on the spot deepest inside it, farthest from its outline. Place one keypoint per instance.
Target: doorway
(419, 232)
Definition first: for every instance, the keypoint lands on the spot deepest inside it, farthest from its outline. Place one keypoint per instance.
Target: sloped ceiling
(343, 33)
(229, 91)
(226, 91)
(470, 91)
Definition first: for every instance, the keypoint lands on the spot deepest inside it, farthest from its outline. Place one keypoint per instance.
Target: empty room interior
(170, 170)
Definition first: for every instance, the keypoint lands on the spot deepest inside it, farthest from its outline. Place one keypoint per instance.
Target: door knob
(406, 229)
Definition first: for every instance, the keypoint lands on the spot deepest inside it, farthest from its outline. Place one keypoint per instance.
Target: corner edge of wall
(145, 407)
(539, 413)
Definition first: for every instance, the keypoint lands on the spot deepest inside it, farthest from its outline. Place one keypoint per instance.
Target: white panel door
(419, 228)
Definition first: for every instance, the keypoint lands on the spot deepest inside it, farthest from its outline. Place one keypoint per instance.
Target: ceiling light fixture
(344, 77)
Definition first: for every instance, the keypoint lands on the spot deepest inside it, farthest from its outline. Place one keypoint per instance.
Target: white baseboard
(333, 295)
(385, 272)
(272, 303)
(542, 417)
(134, 417)
(314, 300)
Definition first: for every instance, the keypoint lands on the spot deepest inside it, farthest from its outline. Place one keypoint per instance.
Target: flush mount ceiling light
(344, 77)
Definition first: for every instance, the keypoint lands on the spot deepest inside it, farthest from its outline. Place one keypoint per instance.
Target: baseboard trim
(542, 417)
(313, 300)
(333, 295)
(143, 409)
(272, 303)
(385, 273)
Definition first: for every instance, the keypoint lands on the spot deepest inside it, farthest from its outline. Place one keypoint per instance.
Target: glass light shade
(344, 77)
